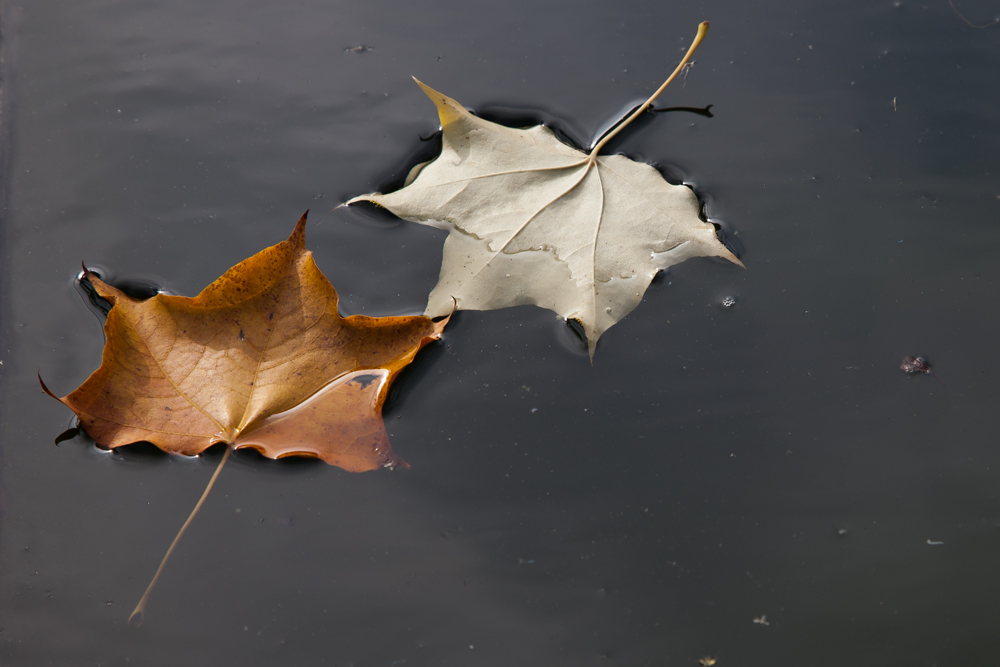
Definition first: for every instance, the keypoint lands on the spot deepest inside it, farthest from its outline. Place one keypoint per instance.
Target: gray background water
(713, 465)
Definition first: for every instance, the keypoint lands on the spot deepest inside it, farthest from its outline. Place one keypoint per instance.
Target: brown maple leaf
(260, 359)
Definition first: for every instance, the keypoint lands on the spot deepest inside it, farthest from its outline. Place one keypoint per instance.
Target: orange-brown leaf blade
(258, 349)
(341, 424)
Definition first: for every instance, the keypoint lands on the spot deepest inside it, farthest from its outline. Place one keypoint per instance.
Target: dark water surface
(712, 467)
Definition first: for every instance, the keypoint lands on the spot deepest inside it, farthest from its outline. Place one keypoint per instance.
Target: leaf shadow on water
(422, 149)
(139, 453)
(572, 337)
(140, 287)
(371, 214)
(729, 237)
(251, 459)
(525, 117)
(640, 125)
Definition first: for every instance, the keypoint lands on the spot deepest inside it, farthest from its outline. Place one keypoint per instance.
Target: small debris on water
(933, 543)
(842, 531)
(707, 661)
(761, 620)
(914, 365)
(360, 48)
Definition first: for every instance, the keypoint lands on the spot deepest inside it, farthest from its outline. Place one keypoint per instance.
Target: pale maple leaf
(532, 220)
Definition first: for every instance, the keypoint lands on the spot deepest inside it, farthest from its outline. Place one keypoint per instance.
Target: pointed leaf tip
(87, 273)
(448, 109)
(429, 92)
(731, 256)
(44, 388)
(108, 292)
(298, 235)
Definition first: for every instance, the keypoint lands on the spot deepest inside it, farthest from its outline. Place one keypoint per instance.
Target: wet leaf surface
(532, 220)
(260, 359)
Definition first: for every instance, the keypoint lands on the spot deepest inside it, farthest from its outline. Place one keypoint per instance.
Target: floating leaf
(260, 359)
(532, 220)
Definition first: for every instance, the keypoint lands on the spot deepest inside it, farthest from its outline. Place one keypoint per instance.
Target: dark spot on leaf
(364, 381)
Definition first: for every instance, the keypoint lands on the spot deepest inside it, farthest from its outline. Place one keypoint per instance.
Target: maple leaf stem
(135, 620)
(702, 30)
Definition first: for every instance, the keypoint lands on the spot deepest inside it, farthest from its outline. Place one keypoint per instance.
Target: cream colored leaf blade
(534, 221)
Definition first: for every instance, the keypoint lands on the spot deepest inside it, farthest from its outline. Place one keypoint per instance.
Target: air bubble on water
(728, 301)
(608, 309)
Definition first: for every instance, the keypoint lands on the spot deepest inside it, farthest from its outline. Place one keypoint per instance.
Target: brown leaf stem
(135, 620)
(702, 30)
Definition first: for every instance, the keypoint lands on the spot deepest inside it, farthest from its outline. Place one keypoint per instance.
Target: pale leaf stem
(702, 29)
(135, 620)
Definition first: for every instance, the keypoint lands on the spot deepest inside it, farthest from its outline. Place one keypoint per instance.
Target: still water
(758, 483)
